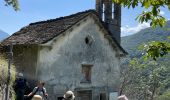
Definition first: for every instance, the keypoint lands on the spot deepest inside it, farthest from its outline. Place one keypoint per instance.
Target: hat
(37, 97)
(20, 75)
(69, 95)
(122, 97)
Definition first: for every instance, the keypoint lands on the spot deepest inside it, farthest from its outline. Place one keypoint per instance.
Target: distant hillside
(131, 43)
(3, 35)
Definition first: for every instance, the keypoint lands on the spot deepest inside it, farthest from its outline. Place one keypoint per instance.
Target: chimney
(111, 15)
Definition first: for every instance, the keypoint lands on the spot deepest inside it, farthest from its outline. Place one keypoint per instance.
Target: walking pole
(10, 55)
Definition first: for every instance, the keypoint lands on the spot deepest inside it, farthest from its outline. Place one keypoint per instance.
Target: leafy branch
(152, 14)
(13, 3)
(155, 49)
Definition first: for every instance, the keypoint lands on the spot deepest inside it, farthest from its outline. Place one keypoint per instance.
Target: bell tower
(110, 14)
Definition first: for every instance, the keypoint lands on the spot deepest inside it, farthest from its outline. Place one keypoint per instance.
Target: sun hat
(69, 95)
(20, 75)
(37, 97)
(122, 97)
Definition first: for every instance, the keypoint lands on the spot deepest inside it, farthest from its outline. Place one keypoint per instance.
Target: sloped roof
(43, 31)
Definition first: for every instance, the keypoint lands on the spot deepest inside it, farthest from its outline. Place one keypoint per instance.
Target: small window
(88, 40)
(86, 73)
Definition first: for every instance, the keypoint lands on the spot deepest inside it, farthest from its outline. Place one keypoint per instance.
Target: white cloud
(131, 30)
(162, 13)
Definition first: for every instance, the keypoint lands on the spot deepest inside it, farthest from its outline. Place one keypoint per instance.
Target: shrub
(165, 95)
(4, 74)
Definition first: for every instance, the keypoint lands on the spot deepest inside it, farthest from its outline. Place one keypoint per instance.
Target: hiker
(20, 86)
(39, 92)
(122, 97)
(69, 95)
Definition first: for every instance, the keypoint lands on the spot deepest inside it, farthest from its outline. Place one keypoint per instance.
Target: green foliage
(152, 7)
(4, 70)
(165, 96)
(13, 3)
(144, 80)
(4, 73)
(155, 49)
(147, 78)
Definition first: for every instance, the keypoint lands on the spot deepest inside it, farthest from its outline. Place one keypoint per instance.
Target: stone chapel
(80, 52)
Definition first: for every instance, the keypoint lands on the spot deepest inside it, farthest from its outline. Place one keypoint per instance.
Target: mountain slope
(3, 35)
(131, 43)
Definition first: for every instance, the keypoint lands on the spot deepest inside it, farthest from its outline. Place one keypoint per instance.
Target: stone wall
(25, 60)
(60, 61)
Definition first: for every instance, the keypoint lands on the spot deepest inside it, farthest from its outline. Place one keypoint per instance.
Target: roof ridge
(63, 17)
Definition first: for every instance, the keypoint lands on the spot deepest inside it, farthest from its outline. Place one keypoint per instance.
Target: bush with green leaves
(165, 96)
(143, 80)
(4, 74)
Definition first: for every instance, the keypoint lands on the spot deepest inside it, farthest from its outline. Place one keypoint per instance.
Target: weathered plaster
(25, 60)
(60, 60)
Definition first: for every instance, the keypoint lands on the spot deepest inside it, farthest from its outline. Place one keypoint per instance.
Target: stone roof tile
(41, 32)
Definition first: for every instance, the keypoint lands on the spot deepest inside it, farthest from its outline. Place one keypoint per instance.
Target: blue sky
(38, 10)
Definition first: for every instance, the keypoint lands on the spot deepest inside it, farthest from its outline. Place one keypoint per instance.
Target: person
(69, 95)
(122, 97)
(20, 86)
(39, 92)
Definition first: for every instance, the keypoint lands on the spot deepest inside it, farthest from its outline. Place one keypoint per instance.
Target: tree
(152, 7)
(13, 3)
(143, 80)
(152, 15)
(156, 49)
(164, 96)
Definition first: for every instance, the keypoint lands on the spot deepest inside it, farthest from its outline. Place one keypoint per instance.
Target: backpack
(30, 97)
(37, 91)
(41, 90)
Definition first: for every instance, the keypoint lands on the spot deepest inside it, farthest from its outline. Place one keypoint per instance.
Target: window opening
(86, 73)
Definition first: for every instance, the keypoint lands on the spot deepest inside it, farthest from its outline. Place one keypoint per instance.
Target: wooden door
(103, 96)
(84, 95)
